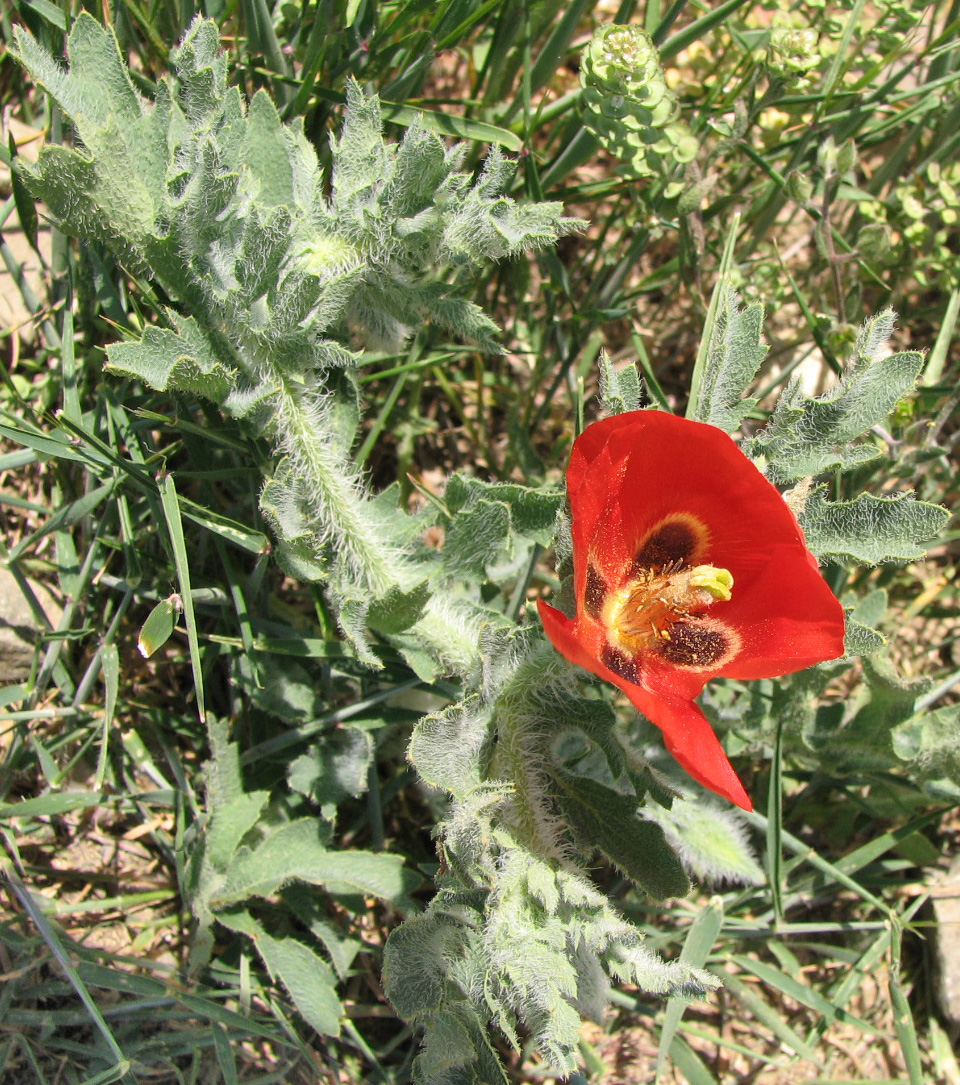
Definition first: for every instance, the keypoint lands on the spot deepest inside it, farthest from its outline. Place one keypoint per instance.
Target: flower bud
(846, 156)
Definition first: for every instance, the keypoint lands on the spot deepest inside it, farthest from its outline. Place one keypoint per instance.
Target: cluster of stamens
(640, 616)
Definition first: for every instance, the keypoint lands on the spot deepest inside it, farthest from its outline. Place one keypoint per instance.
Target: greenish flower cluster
(791, 57)
(922, 216)
(898, 19)
(629, 106)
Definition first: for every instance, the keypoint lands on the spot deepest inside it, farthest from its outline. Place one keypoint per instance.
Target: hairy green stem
(332, 492)
(520, 755)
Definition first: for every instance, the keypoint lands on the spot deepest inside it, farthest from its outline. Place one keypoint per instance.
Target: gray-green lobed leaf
(870, 529)
(296, 852)
(228, 209)
(808, 435)
(300, 969)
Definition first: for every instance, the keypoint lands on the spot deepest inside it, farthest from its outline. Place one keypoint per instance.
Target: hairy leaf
(609, 820)
(476, 538)
(295, 852)
(304, 973)
(733, 357)
(711, 840)
(448, 748)
(808, 435)
(619, 388)
(870, 529)
(415, 962)
(335, 768)
(181, 360)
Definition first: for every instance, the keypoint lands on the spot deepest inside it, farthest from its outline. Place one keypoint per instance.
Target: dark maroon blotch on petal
(672, 543)
(595, 593)
(692, 644)
(620, 663)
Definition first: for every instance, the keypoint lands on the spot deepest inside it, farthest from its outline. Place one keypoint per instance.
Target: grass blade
(696, 948)
(171, 513)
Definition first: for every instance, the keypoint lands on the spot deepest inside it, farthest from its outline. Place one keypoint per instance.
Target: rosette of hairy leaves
(274, 280)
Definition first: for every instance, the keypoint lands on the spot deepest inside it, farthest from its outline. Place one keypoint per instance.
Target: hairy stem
(519, 758)
(332, 493)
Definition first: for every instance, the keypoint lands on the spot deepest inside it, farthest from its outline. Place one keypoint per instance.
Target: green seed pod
(874, 242)
(799, 187)
(628, 105)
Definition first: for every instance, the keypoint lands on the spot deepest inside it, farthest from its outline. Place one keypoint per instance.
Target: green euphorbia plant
(276, 281)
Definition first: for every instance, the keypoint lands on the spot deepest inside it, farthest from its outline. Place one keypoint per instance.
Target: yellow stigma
(642, 612)
(717, 582)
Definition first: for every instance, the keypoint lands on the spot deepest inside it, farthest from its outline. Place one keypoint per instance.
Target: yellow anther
(717, 582)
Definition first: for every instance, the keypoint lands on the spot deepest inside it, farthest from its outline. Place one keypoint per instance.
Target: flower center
(641, 614)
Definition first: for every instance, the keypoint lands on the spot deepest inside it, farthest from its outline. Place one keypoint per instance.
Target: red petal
(686, 732)
(630, 471)
(690, 738)
(787, 618)
(567, 637)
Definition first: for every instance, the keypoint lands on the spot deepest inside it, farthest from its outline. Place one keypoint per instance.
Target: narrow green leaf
(903, 1021)
(801, 993)
(113, 979)
(450, 125)
(110, 663)
(696, 948)
(698, 28)
(67, 516)
(50, 12)
(53, 938)
(769, 1017)
(54, 802)
(689, 1063)
(226, 1059)
(231, 531)
(171, 513)
(775, 825)
(936, 359)
(53, 445)
(68, 363)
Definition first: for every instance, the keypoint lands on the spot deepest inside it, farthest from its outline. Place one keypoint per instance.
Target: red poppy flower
(688, 564)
